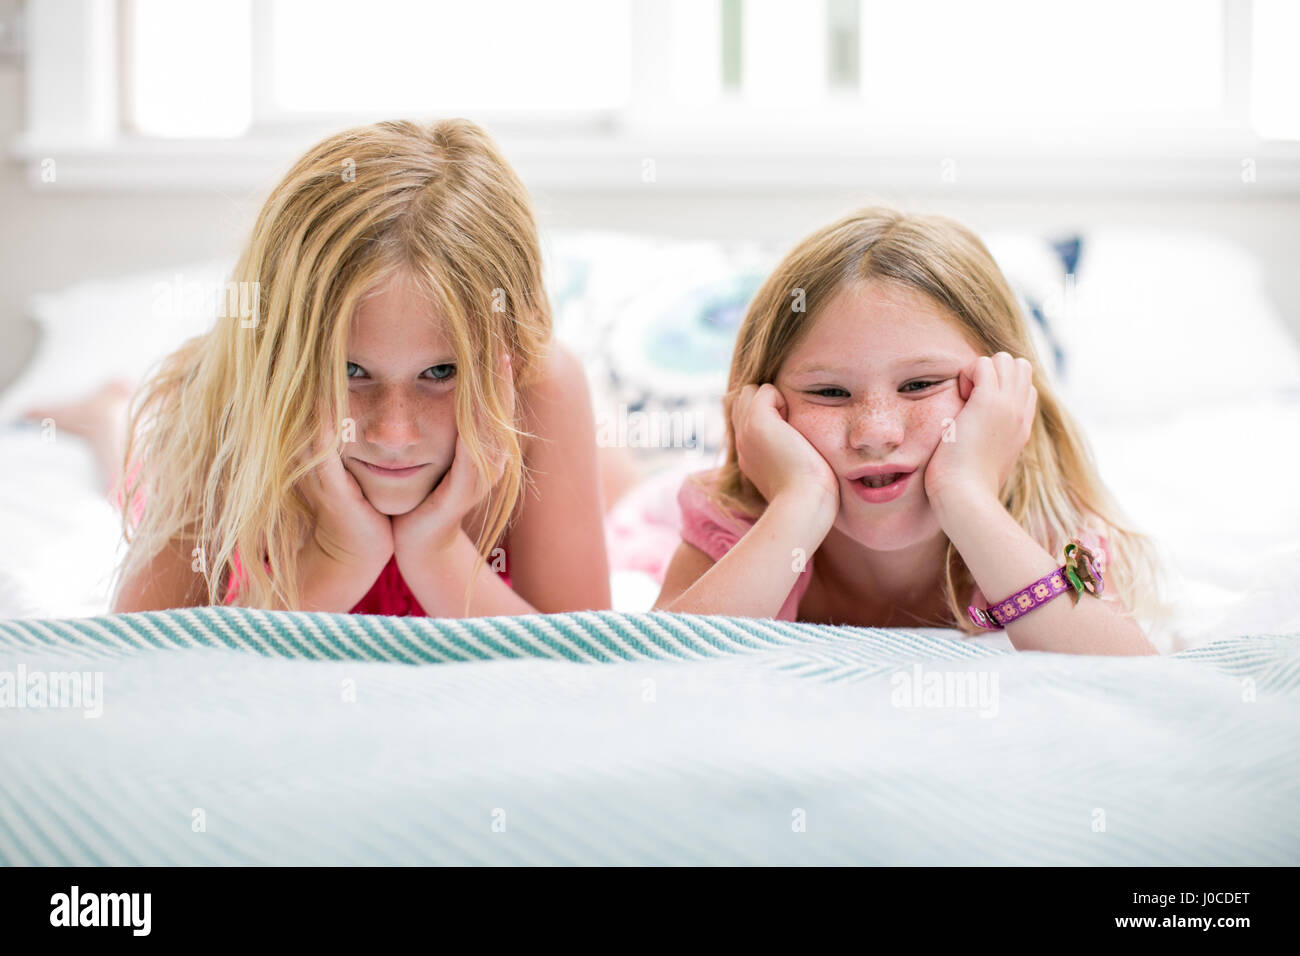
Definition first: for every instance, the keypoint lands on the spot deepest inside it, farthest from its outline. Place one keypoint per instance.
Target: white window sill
(1203, 163)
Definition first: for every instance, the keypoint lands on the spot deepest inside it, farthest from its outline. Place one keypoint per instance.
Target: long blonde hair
(1054, 492)
(221, 434)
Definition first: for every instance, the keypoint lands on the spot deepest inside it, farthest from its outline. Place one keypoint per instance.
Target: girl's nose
(876, 426)
(393, 422)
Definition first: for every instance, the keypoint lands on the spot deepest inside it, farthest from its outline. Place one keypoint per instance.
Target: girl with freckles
(894, 456)
(395, 433)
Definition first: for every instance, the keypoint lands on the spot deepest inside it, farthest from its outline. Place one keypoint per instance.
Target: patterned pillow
(654, 322)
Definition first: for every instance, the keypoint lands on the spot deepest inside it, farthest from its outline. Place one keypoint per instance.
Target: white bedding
(60, 533)
(228, 736)
(1216, 485)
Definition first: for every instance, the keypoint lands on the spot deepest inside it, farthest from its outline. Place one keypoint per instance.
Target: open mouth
(881, 481)
(882, 489)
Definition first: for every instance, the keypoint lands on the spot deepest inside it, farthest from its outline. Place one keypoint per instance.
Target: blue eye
(440, 372)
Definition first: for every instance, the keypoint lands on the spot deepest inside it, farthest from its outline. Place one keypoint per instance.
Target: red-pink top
(715, 532)
(390, 593)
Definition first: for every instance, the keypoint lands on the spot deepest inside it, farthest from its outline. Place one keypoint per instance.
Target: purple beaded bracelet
(1079, 575)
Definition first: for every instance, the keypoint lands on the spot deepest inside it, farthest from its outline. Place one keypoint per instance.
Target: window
(733, 82)
(838, 61)
(1045, 62)
(448, 55)
(1033, 61)
(1275, 79)
(187, 68)
(319, 59)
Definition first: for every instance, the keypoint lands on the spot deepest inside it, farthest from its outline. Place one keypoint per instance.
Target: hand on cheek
(433, 526)
(774, 455)
(348, 528)
(979, 448)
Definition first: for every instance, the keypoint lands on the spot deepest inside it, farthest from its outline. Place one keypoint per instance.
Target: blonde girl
(393, 431)
(894, 454)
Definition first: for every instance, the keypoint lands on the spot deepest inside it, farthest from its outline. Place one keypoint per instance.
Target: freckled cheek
(824, 426)
(438, 430)
(931, 419)
(440, 435)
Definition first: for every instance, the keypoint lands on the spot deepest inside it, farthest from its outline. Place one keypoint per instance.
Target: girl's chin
(886, 533)
(394, 502)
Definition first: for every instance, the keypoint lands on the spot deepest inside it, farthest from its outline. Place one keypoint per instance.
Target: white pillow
(103, 329)
(1036, 274)
(1163, 321)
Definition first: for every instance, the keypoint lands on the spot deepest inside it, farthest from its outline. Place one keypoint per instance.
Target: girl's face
(401, 395)
(874, 382)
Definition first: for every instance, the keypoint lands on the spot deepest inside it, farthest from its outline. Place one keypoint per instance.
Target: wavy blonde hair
(221, 434)
(1054, 490)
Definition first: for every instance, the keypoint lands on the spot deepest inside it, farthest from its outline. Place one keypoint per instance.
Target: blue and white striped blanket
(227, 736)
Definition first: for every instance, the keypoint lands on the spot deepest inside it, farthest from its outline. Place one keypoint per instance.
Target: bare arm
(557, 546)
(166, 581)
(962, 481)
(1003, 558)
(756, 576)
(326, 584)
(169, 581)
(441, 585)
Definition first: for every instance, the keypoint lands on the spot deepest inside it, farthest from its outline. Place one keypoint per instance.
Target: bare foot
(100, 418)
(90, 415)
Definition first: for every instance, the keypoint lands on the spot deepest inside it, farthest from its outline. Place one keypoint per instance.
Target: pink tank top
(715, 532)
